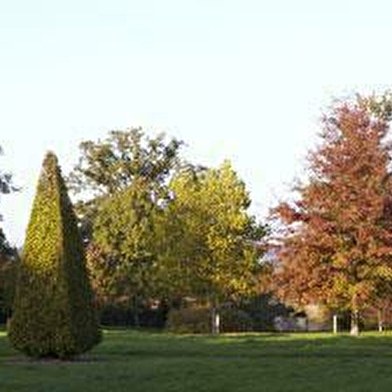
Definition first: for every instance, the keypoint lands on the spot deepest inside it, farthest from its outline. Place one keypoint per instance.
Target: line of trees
(158, 228)
(159, 231)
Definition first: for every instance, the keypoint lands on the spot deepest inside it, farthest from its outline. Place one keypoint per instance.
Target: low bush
(235, 320)
(198, 320)
(188, 320)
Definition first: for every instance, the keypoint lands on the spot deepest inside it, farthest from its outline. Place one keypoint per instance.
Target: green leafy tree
(8, 255)
(126, 174)
(219, 251)
(53, 313)
(124, 233)
(8, 262)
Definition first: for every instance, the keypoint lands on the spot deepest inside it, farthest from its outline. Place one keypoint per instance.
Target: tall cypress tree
(53, 314)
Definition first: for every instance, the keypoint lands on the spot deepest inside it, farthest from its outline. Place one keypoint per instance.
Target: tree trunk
(380, 320)
(354, 331)
(136, 318)
(335, 323)
(135, 311)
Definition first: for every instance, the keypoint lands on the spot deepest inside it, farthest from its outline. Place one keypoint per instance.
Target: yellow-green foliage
(211, 206)
(53, 314)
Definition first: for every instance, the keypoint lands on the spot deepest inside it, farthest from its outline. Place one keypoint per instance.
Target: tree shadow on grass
(253, 345)
(130, 345)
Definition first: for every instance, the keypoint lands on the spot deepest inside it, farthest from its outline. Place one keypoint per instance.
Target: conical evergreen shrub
(53, 313)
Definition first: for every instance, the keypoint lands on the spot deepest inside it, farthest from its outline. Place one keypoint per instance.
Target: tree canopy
(212, 205)
(127, 176)
(162, 228)
(336, 239)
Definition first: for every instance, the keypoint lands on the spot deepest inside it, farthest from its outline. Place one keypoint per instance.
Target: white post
(380, 321)
(217, 322)
(335, 323)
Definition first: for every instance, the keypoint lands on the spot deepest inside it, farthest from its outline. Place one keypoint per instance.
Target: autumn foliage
(334, 242)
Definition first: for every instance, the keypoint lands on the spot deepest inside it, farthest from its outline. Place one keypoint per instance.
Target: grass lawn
(151, 362)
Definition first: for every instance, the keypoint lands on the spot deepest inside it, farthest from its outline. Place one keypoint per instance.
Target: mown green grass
(151, 362)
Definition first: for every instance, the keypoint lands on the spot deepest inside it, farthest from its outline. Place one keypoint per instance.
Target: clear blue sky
(239, 79)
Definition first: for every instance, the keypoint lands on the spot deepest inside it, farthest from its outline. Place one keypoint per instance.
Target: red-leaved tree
(334, 243)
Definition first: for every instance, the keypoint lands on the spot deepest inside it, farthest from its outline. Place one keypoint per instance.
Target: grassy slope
(135, 361)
